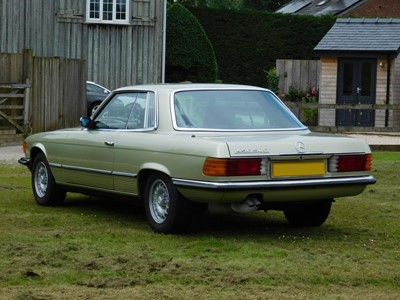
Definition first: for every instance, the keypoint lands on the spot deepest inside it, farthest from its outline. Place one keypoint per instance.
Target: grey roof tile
(362, 35)
(318, 7)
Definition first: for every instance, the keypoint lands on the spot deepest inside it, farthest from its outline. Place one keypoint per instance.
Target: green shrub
(190, 55)
(294, 94)
(310, 115)
(272, 80)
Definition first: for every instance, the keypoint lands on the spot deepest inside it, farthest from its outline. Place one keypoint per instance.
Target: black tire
(166, 210)
(44, 187)
(309, 215)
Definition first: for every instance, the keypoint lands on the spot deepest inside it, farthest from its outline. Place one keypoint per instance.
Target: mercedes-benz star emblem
(300, 147)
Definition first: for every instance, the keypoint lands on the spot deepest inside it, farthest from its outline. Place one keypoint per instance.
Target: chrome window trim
(244, 88)
(123, 91)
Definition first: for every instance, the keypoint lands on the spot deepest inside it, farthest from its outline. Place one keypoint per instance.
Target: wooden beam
(8, 119)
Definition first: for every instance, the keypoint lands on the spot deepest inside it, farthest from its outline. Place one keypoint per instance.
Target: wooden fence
(298, 109)
(300, 75)
(13, 99)
(40, 93)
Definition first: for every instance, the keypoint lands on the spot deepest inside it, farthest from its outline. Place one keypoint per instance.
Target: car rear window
(232, 110)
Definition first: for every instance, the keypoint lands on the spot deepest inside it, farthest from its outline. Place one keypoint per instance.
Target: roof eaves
(358, 53)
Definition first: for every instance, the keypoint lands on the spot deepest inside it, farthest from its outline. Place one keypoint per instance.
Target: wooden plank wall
(327, 92)
(299, 74)
(58, 93)
(128, 55)
(10, 68)
(116, 55)
(57, 96)
(395, 87)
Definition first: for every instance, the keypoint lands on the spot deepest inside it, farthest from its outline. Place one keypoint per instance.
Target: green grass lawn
(91, 248)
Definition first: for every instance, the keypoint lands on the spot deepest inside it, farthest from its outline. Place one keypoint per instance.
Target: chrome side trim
(361, 180)
(99, 171)
(124, 174)
(96, 189)
(68, 167)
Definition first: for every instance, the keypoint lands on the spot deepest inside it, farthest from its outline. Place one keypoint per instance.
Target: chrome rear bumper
(272, 184)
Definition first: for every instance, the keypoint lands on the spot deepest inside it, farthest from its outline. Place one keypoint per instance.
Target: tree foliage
(190, 55)
(268, 5)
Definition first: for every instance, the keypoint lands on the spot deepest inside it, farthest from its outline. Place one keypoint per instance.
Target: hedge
(247, 43)
(190, 55)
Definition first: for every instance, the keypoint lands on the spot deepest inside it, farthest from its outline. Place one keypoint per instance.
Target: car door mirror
(87, 122)
(84, 121)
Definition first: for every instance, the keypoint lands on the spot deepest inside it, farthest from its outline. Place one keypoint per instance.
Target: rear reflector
(350, 163)
(24, 147)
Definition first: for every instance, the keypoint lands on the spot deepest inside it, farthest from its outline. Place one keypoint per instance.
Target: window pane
(120, 10)
(150, 113)
(107, 10)
(348, 79)
(232, 110)
(94, 12)
(117, 111)
(366, 74)
(137, 113)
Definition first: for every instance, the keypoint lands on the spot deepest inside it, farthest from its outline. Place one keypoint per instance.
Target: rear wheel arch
(145, 171)
(142, 181)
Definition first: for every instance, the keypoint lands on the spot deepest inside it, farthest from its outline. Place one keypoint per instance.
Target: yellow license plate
(299, 168)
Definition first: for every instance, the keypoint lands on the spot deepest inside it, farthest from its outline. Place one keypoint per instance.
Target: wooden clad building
(360, 64)
(121, 40)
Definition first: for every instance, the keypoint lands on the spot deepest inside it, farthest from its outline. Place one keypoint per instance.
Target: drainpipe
(387, 91)
(164, 42)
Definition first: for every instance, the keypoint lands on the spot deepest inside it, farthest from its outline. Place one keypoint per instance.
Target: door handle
(108, 143)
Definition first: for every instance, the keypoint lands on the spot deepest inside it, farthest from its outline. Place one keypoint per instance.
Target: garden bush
(190, 55)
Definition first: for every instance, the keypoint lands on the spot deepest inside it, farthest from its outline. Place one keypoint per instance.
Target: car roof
(169, 87)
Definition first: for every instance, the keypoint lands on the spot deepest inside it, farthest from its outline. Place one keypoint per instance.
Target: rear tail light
(350, 163)
(234, 167)
(258, 166)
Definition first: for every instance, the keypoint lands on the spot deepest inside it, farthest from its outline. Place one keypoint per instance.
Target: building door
(356, 85)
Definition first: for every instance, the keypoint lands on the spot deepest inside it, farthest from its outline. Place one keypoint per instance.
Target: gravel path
(10, 154)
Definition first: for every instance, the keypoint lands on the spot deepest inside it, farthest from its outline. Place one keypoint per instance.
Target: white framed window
(107, 11)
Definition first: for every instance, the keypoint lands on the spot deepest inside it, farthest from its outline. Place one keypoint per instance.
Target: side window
(143, 114)
(137, 114)
(136, 110)
(116, 113)
(107, 11)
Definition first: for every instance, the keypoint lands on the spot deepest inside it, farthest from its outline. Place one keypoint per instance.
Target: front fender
(34, 150)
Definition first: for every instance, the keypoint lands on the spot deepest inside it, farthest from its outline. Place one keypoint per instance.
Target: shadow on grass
(131, 212)
(122, 208)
